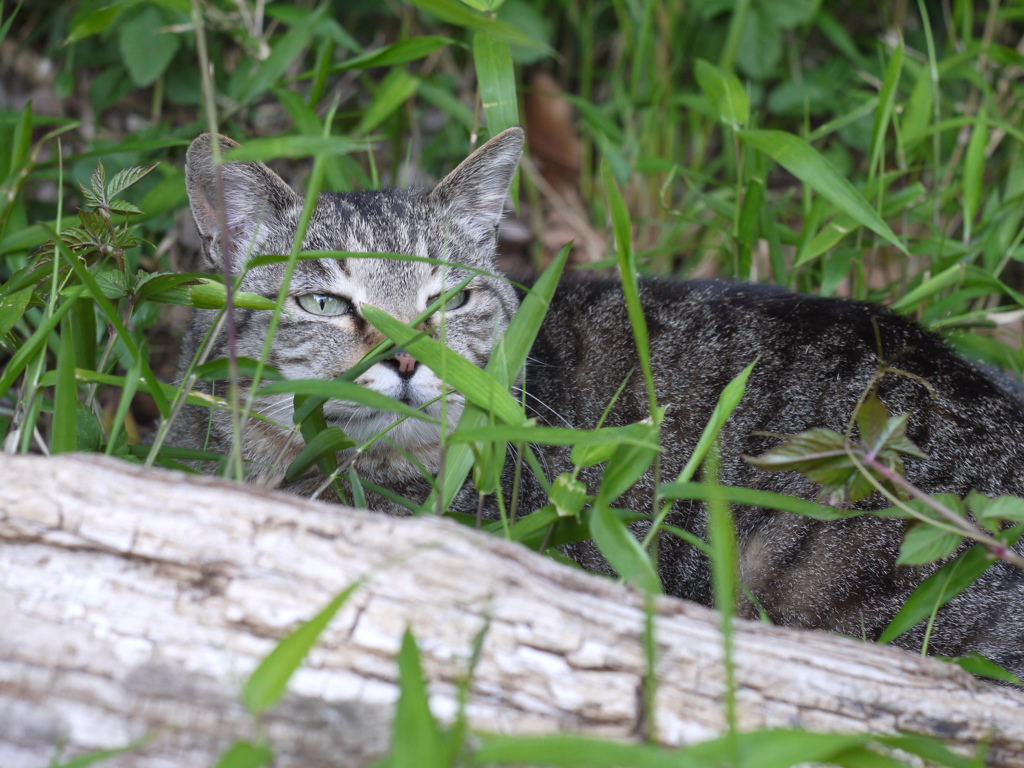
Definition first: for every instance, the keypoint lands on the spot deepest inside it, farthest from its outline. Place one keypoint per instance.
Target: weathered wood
(135, 602)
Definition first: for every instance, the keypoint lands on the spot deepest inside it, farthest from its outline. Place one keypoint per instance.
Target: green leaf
(803, 161)
(12, 307)
(978, 665)
(114, 320)
(917, 114)
(626, 260)
(947, 278)
(243, 754)
(217, 370)
(122, 206)
(974, 171)
(397, 86)
(65, 399)
(146, 50)
(780, 748)
(567, 494)
(330, 440)
(496, 78)
(127, 177)
(89, 22)
(572, 751)
(266, 685)
(752, 498)
(104, 755)
(402, 52)
(931, 749)
(893, 439)
(814, 450)
(455, 12)
(285, 51)
(871, 420)
(824, 456)
(787, 14)
(731, 396)
(506, 362)
(510, 354)
(113, 283)
(747, 232)
(417, 741)
(488, 464)
(725, 92)
(477, 387)
(883, 115)
(36, 341)
(998, 509)
(760, 44)
(131, 386)
(342, 390)
(204, 293)
(301, 146)
(607, 437)
(629, 461)
(622, 550)
(166, 391)
(945, 584)
(924, 543)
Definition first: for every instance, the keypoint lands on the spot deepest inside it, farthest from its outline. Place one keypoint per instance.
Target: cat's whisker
(526, 392)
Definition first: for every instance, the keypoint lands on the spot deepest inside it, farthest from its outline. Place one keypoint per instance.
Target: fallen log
(135, 602)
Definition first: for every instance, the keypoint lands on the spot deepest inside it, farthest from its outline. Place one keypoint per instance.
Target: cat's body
(814, 359)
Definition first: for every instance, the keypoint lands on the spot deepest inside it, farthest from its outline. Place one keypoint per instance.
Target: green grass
(830, 149)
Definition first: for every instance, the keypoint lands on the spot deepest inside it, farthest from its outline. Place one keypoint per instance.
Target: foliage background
(861, 149)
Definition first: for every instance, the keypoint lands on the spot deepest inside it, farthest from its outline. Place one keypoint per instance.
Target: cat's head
(244, 209)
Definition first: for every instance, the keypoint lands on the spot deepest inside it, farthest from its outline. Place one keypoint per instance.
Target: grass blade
(506, 362)
(571, 751)
(623, 551)
(725, 92)
(341, 390)
(477, 387)
(396, 87)
(284, 52)
(65, 400)
(242, 754)
(630, 286)
(417, 737)
(114, 319)
(883, 115)
(752, 498)
(330, 440)
(974, 172)
(803, 161)
(496, 78)
(267, 683)
(943, 585)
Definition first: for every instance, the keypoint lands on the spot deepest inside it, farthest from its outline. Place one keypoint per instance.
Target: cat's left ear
(474, 193)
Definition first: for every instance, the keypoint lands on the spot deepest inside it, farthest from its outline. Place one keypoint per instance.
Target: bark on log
(135, 602)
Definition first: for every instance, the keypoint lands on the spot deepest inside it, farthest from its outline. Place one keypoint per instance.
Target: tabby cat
(815, 356)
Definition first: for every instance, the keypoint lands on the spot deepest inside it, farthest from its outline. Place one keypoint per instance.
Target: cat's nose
(405, 365)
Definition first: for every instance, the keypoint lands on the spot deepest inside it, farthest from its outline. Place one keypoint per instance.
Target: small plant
(98, 235)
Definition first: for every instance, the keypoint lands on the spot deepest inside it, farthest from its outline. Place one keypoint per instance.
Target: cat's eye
(454, 302)
(324, 304)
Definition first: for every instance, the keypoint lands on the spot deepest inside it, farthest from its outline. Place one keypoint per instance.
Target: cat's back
(813, 359)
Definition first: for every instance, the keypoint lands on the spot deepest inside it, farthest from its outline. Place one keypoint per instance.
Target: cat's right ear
(257, 204)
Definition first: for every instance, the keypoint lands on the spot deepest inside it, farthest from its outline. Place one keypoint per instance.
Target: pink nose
(406, 362)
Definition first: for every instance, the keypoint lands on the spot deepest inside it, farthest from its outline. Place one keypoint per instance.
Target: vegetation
(869, 150)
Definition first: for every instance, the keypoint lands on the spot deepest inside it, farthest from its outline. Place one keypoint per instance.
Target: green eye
(454, 302)
(324, 304)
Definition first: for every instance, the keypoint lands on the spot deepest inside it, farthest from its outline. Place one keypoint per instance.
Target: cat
(814, 359)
